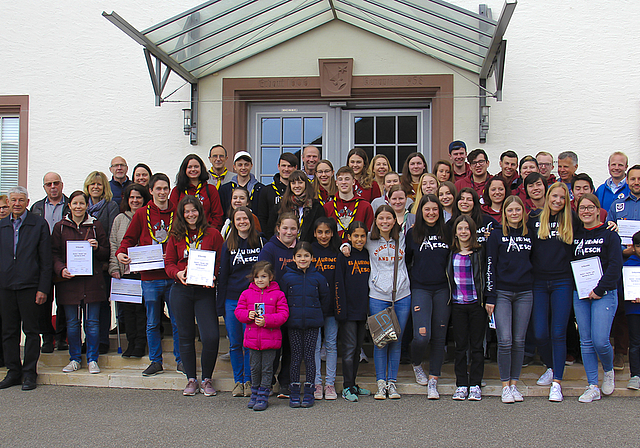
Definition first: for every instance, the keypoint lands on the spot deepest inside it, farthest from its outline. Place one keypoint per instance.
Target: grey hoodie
(381, 255)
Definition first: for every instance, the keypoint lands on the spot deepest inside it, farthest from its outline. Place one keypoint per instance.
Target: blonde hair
(106, 187)
(414, 207)
(505, 223)
(565, 218)
(373, 163)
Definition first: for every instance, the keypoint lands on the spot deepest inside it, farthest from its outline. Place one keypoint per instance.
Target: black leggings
(303, 344)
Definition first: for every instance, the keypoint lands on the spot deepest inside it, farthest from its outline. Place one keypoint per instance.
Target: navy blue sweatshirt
(551, 257)
(235, 266)
(278, 255)
(604, 244)
(307, 296)
(352, 286)
(325, 260)
(429, 270)
(509, 265)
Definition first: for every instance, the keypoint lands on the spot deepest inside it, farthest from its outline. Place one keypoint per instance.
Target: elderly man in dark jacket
(25, 280)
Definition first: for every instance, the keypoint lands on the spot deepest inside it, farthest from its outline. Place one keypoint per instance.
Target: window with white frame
(9, 151)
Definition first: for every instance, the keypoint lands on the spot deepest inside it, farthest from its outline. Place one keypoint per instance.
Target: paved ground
(80, 416)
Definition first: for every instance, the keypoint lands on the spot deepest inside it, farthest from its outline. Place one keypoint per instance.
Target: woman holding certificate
(191, 236)
(79, 246)
(597, 267)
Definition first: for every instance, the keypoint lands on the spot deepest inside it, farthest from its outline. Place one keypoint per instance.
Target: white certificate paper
(146, 258)
(631, 282)
(626, 229)
(79, 258)
(587, 273)
(126, 290)
(201, 266)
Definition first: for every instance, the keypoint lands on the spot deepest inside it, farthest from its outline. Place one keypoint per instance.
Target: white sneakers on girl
(93, 367)
(517, 396)
(432, 389)
(546, 378)
(421, 378)
(555, 393)
(475, 393)
(392, 391)
(507, 396)
(609, 383)
(381, 394)
(71, 367)
(460, 394)
(592, 393)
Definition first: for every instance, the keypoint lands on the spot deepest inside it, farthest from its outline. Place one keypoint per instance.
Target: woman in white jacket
(381, 244)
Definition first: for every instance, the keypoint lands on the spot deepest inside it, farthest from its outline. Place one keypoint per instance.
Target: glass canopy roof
(220, 33)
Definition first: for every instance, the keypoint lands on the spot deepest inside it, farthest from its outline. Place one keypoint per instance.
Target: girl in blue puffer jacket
(307, 293)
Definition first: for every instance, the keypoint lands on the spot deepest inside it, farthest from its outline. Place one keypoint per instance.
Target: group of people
(301, 263)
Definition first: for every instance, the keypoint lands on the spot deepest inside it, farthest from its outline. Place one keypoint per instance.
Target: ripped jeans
(430, 311)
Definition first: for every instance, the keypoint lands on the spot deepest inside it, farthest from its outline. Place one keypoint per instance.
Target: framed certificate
(586, 273)
(79, 258)
(631, 282)
(201, 267)
(126, 290)
(146, 258)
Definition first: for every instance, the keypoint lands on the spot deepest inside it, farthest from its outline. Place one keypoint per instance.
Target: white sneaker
(381, 394)
(72, 367)
(555, 393)
(475, 394)
(517, 396)
(592, 393)
(546, 378)
(609, 382)
(460, 394)
(392, 391)
(421, 378)
(432, 389)
(634, 383)
(507, 396)
(93, 367)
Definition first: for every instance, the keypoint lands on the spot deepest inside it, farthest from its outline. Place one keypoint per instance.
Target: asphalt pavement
(109, 417)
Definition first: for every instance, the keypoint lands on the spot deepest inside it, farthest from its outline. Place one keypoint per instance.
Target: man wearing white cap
(242, 165)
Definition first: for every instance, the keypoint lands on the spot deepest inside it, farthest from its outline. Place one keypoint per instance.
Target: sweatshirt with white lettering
(429, 258)
(604, 244)
(509, 265)
(382, 256)
(550, 257)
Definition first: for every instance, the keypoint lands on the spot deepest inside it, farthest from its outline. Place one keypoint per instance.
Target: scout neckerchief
(151, 229)
(218, 177)
(197, 242)
(235, 185)
(186, 192)
(353, 216)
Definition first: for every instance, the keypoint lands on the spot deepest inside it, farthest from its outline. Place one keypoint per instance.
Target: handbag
(384, 326)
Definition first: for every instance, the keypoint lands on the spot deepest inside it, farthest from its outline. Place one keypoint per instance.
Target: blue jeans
(331, 344)
(240, 363)
(594, 319)
(155, 294)
(430, 311)
(512, 313)
(552, 302)
(387, 359)
(91, 330)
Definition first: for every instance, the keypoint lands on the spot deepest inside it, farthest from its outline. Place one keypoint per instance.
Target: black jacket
(32, 266)
(268, 205)
(479, 266)
(38, 207)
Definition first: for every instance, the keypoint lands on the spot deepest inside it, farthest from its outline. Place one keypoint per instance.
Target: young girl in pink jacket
(263, 307)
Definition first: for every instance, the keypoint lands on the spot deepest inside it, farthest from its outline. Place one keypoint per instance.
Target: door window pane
(363, 131)
(291, 131)
(385, 130)
(408, 130)
(313, 131)
(270, 131)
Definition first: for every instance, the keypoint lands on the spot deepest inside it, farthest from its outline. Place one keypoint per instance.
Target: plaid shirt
(465, 291)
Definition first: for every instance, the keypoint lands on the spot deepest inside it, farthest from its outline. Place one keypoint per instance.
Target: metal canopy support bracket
(193, 136)
(158, 79)
(493, 64)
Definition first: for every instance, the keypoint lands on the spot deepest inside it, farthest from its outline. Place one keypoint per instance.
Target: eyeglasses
(587, 208)
(52, 184)
(216, 156)
(547, 164)
(478, 162)
(119, 165)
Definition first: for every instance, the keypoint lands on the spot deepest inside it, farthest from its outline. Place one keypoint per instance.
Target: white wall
(90, 94)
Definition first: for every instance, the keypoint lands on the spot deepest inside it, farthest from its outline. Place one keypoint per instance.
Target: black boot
(130, 349)
(294, 395)
(308, 400)
(262, 402)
